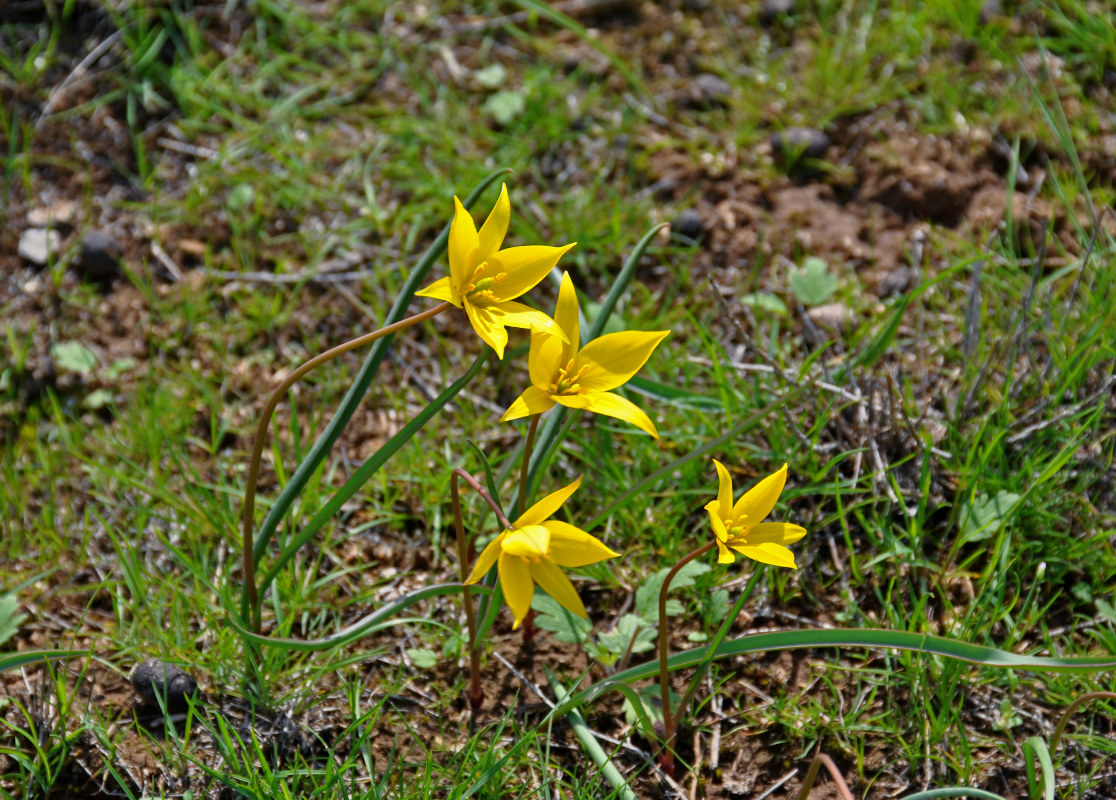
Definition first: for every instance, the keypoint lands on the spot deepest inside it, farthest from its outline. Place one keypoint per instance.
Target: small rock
(60, 213)
(830, 315)
(990, 10)
(39, 245)
(708, 90)
(154, 679)
(773, 9)
(795, 143)
(100, 256)
(688, 225)
(898, 281)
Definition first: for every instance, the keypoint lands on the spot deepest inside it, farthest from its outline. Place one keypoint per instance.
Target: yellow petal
(488, 327)
(724, 491)
(724, 555)
(758, 501)
(612, 405)
(573, 547)
(524, 267)
(516, 583)
(463, 244)
(530, 541)
(487, 558)
(533, 401)
(495, 228)
(768, 553)
(719, 529)
(516, 315)
(554, 582)
(777, 532)
(614, 358)
(441, 290)
(566, 318)
(545, 508)
(545, 358)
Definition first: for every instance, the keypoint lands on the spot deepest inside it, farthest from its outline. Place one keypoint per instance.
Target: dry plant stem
(476, 697)
(667, 757)
(265, 422)
(1070, 709)
(812, 774)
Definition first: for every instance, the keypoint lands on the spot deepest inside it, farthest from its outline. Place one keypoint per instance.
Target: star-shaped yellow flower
(533, 549)
(739, 527)
(563, 374)
(485, 280)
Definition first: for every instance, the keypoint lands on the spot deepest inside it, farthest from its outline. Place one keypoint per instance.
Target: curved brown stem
(812, 774)
(261, 434)
(1072, 707)
(476, 696)
(666, 759)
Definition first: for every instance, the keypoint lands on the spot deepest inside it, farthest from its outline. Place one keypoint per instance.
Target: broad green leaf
(422, 658)
(647, 595)
(74, 357)
(550, 616)
(492, 76)
(764, 302)
(504, 106)
(986, 515)
(813, 284)
(629, 628)
(10, 618)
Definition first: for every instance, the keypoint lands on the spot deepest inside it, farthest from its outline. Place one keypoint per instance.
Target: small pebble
(39, 245)
(60, 213)
(153, 679)
(688, 225)
(708, 90)
(830, 315)
(100, 256)
(897, 281)
(773, 9)
(990, 10)
(795, 143)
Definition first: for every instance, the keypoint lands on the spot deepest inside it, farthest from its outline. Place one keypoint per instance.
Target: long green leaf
(368, 468)
(22, 659)
(954, 791)
(1034, 749)
(361, 383)
(379, 618)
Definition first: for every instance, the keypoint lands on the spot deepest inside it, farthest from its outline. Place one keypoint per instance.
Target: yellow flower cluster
(485, 280)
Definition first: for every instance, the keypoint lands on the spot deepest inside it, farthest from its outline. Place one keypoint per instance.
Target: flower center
(738, 533)
(567, 383)
(480, 288)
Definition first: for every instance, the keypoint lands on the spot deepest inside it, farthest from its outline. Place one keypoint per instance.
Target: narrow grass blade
(379, 618)
(367, 469)
(16, 660)
(954, 791)
(361, 383)
(591, 746)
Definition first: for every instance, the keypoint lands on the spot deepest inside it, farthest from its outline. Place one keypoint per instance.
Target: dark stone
(154, 679)
(897, 281)
(796, 143)
(100, 256)
(773, 9)
(707, 90)
(688, 225)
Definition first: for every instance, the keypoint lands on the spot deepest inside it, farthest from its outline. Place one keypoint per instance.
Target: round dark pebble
(773, 9)
(153, 679)
(100, 256)
(794, 143)
(708, 90)
(688, 225)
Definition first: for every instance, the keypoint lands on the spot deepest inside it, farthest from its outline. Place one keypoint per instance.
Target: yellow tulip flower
(485, 280)
(533, 549)
(738, 527)
(562, 374)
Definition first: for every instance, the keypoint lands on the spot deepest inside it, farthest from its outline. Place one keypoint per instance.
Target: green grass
(341, 133)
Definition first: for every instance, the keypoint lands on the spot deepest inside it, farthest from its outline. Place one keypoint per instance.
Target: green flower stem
(265, 422)
(522, 501)
(476, 697)
(715, 644)
(667, 758)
